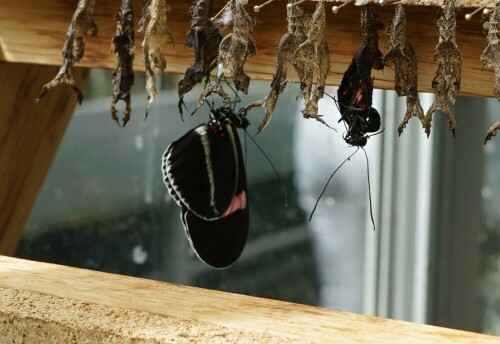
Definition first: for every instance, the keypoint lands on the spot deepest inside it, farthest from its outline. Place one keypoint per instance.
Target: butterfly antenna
(246, 149)
(340, 111)
(369, 188)
(338, 108)
(326, 185)
(285, 194)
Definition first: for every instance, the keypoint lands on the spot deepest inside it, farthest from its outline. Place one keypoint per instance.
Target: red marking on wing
(239, 202)
(347, 91)
(360, 99)
(216, 130)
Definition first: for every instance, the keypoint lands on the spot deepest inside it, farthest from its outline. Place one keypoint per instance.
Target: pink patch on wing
(238, 202)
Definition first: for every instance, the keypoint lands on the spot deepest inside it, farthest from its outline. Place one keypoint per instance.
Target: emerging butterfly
(205, 174)
(356, 89)
(355, 95)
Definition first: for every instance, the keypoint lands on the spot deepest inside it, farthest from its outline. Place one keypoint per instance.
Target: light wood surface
(34, 31)
(29, 137)
(25, 285)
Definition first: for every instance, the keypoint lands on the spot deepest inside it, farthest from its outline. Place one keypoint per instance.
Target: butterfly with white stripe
(205, 174)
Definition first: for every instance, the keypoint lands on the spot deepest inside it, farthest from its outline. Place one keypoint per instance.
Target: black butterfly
(355, 95)
(356, 89)
(205, 174)
(355, 105)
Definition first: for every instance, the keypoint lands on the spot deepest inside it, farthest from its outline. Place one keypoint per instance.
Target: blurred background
(433, 258)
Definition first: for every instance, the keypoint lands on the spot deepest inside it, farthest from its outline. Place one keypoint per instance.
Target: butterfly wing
(220, 242)
(373, 120)
(200, 170)
(348, 86)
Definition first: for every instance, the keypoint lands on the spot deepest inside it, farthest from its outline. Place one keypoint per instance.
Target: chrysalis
(402, 56)
(82, 25)
(447, 74)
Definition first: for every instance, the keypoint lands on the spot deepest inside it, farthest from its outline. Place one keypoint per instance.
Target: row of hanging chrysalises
(204, 169)
(303, 46)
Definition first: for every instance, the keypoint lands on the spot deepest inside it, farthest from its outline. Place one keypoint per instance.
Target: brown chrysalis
(402, 56)
(156, 36)
(82, 25)
(204, 38)
(237, 45)
(312, 62)
(447, 73)
(123, 47)
(490, 59)
(298, 23)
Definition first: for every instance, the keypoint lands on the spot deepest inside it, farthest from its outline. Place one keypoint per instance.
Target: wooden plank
(29, 136)
(193, 313)
(34, 31)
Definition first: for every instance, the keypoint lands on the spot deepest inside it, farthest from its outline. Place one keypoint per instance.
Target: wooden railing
(46, 303)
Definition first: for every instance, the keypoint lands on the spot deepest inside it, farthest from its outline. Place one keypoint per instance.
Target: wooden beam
(47, 301)
(29, 136)
(34, 31)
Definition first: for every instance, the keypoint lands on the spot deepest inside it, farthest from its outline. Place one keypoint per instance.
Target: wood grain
(29, 137)
(229, 312)
(34, 31)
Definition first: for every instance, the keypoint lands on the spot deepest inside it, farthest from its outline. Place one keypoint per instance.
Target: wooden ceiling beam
(33, 31)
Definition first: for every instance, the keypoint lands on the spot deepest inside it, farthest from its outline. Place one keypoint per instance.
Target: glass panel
(104, 206)
(490, 234)
(463, 268)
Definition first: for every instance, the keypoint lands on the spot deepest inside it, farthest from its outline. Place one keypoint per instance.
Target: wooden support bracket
(29, 137)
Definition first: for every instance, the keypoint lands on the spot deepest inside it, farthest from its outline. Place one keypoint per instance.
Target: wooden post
(30, 133)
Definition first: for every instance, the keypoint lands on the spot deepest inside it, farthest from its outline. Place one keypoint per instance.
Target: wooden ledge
(33, 31)
(33, 316)
(49, 303)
